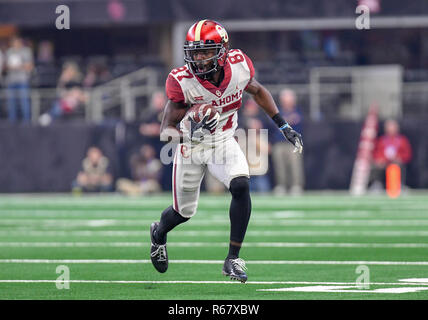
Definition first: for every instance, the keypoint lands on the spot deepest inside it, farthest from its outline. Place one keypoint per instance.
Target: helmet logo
(222, 32)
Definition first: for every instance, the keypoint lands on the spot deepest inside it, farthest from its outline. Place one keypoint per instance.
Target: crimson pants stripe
(174, 184)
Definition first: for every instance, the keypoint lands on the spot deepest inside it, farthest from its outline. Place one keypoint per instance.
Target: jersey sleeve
(173, 90)
(251, 67)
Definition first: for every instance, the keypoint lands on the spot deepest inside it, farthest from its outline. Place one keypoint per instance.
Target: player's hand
(212, 123)
(197, 128)
(205, 123)
(294, 137)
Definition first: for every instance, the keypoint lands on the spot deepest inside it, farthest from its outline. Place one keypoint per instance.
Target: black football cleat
(158, 252)
(235, 269)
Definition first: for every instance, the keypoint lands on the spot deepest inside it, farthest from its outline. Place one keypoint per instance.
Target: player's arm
(265, 100)
(173, 113)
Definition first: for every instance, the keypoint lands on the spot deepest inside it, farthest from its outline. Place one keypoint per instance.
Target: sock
(169, 220)
(233, 251)
(239, 213)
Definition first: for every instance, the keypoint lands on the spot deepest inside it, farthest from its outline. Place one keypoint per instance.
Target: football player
(214, 74)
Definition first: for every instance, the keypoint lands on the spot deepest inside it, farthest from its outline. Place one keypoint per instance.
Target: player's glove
(197, 128)
(293, 136)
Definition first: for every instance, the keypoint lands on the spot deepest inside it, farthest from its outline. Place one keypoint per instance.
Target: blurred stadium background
(120, 52)
(99, 86)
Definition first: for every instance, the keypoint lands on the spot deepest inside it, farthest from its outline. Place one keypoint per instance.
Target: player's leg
(186, 181)
(11, 102)
(234, 173)
(239, 213)
(158, 230)
(25, 102)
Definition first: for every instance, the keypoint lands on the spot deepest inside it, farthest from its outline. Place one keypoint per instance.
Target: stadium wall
(47, 159)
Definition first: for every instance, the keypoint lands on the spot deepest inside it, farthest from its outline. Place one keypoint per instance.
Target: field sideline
(317, 246)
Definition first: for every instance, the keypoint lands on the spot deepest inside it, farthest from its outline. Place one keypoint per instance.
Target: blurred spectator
(288, 166)
(97, 73)
(250, 110)
(392, 147)
(71, 97)
(45, 52)
(258, 158)
(70, 74)
(18, 65)
(146, 172)
(331, 46)
(95, 176)
(310, 40)
(1, 64)
(373, 5)
(251, 118)
(152, 118)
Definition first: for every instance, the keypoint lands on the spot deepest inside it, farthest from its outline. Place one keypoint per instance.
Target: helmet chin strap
(210, 75)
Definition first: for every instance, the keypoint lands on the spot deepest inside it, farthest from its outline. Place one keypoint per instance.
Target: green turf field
(307, 247)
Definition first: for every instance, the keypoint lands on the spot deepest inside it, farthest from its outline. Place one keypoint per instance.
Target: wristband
(279, 120)
(285, 126)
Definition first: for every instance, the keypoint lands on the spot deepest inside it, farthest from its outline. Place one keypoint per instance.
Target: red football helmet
(206, 35)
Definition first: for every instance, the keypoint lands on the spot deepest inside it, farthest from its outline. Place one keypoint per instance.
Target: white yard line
(270, 202)
(213, 244)
(207, 282)
(252, 262)
(64, 213)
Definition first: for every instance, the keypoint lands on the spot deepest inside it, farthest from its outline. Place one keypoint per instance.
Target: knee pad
(190, 182)
(186, 212)
(239, 186)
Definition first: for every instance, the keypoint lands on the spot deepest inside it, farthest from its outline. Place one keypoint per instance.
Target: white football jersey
(182, 86)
